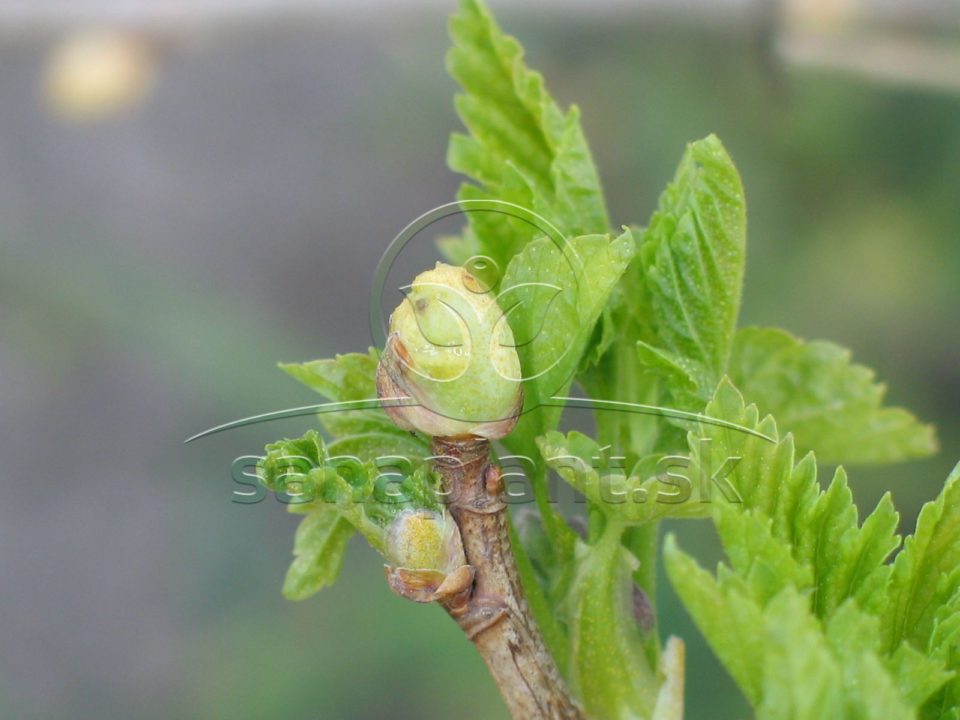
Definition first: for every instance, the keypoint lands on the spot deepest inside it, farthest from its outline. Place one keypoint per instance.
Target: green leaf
(787, 664)
(945, 638)
(917, 674)
(926, 574)
(521, 147)
(830, 405)
(765, 565)
(802, 680)
(788, 535)
(369, 494)
(691, 271)
(374, 446)
(552, 298)
(635, 497)
(318, 549)
(347, 377)
(944, 648)
(730, 621)
(876, 686)
(820, 527)
(608, 667)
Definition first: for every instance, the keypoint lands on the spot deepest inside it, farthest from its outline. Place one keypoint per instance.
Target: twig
(494, 613)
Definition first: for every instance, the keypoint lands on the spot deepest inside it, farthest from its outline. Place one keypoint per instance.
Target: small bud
(428, 557)
(424, 540)
(451, 350)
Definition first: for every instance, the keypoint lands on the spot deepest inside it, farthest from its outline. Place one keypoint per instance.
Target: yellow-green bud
(427, 555)
(424, 540)
(450, 349)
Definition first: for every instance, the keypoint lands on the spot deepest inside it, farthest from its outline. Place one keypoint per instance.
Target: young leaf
(368, 494)
(919, 675)
(788, 535)
(765, 565)
(552, 298)
(944, 647)
(829, 404)
(855, 640)
(730, 621)
(691, 266)
(318, 549)
(366, 434)
(608, 667)
(635, 497)
(779, 654)
(521, 148)
(926, 574)
(820, 527)
(802, 680)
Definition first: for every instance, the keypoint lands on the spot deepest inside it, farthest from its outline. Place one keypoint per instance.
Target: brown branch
(494, 613)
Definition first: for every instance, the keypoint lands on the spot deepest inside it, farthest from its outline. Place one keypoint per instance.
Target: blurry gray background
(158, 259)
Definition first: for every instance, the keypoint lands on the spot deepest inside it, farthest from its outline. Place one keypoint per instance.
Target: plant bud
(424, 540)
(451, 350)
(428, 557)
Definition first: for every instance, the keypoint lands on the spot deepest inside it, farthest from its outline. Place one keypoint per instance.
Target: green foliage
(783, 658)
(521, 148)
(807, 613)
(792, 544)
(924, 607)
(691, 262)
(829, 404)
(553, 297)
(609, 668)
(846, 560)
(626, 498)
(318, 549)
(369, 494)
(353, 377)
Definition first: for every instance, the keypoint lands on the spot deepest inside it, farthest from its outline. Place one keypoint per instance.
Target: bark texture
(493, 612)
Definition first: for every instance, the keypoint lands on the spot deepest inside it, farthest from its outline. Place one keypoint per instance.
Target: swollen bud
(451, 351)
(427, 555)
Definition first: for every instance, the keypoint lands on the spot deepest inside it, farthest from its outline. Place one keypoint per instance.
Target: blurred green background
(157, 260)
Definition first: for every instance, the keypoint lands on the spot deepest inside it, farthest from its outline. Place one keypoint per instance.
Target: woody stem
(494, 614)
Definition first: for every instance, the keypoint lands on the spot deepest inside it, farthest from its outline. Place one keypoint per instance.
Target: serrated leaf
(918, 675)
(318, 548)
(635, 497)
(786, 663)
(351, 376)
(765, 565)
(877, 687)
(373, 446)
(820, 527)
(691, 271)
(557, 326)
(369, 494)
(729, 620)
(783, 513)
(830, 405)
(802, 680)
(521, 147)
(926, 574)
(944, 650)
